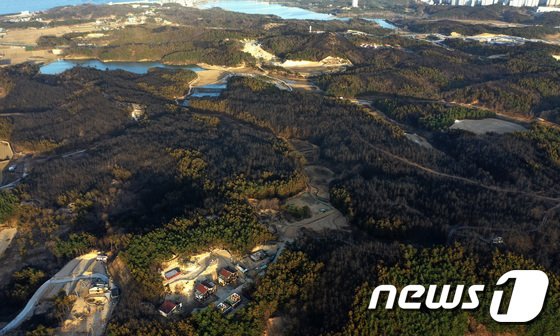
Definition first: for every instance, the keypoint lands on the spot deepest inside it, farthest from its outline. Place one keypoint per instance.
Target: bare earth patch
(489, 125)
(6, 237)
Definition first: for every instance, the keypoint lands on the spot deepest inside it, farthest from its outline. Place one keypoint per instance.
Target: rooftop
(167, 306)
(201, 288)
(226, 272)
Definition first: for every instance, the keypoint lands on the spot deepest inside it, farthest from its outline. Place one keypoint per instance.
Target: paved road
(11, 185)
(32, 303)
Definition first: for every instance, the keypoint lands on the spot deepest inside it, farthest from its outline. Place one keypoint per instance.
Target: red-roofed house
(203, 290)
(169, 307)
(226, 276)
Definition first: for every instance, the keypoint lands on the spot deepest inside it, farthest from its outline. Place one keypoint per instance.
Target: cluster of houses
(222, 288)
(204, 290)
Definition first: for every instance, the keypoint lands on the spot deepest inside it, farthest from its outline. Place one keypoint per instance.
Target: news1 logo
(526, 302)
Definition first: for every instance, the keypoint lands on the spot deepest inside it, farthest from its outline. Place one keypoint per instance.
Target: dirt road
(459, 178)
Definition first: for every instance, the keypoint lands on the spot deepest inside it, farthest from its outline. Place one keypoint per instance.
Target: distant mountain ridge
(513, 3)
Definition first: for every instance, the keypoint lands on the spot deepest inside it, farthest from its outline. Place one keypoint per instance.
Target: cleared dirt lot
(6, 152)
(18, 55)
(319, 179)
(29, 36)
(217, 74)
(15, 41)
(71, 278)
(89, 314)
(489, 125)
(323, 215)
(316, 196)
(6, 237)
(419, 140)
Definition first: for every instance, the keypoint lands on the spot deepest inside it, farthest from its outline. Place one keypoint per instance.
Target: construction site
(89, 293)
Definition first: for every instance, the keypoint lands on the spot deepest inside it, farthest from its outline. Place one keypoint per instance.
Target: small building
(203, 290)
(229, 304)
(233, 300)
(172, 273)
(169, 307)
(497, 240)
(258, 256)
(97, 290)
(241, 268)
(224, 308)
(101, 284)
(226, 276)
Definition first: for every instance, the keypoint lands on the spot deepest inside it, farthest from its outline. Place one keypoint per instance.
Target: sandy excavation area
(89, 315)
(81, 265)
(213, 74)
(6, 237)
(252, 47)
(329, 63)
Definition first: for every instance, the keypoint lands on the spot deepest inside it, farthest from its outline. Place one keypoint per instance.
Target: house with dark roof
(169, 307)
(203, 290)
(226, 276)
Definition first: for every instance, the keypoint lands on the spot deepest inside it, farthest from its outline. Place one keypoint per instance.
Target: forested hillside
(175, 182)
(470, 189)
(117, 162)
(106, 179)
(522, 82)
(394, 188)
